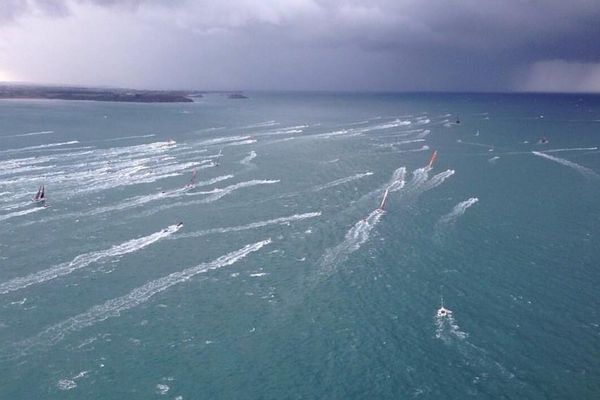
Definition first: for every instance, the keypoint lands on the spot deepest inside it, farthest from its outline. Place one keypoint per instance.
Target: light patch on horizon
(6, 76)
(560, 76)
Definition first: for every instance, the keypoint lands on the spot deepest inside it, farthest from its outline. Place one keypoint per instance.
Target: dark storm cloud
(318, 44)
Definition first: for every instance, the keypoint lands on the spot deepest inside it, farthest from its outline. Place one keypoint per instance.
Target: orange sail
(432, 159)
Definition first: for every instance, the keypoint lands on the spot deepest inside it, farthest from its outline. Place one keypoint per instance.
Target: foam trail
(354, 238)
(342, 181)
(488, 146)
(447, 329)
(140, 200)
(135, 201)
(241, 142)
(213, 180)
(129, 137)
(283, 131)
(403, 142)
(77, 173)
(259, 125)
(458, 210)
(61, 150)
(41, 146)
(579, 168)
(393, 124)
(113, 308)
(411, 134)
(215, 195)
(398, 180)
(19, 213)
(14, 206)
(351, 132)
(221, 140)
(246, 160)
(227, 190)
(570, 149)
(422, 148)
(84, 260)
(360, 232)
(437, 180)
(493, 159)
(254, 225)
(449, 332)
(30, 134)
(419, 176)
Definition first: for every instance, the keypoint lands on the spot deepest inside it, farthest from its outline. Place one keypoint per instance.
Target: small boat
(382, 205)
(442, 311)
(543, 140)
(169, 143)
(218, 157)
(173, 228)
(457, 120)
(192, 181)
(432, 159)
(40, 196)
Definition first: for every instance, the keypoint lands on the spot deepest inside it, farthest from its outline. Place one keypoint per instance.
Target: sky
(348, 45)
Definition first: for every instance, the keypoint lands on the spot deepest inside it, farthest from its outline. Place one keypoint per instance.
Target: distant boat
(382, 205)
(218, 157)
(457, 120)
(442, 311)
(40, 196)
(432, 159)
(192, 180)
(543, 140)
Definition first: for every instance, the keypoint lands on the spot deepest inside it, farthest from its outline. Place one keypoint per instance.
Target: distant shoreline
(32, 92)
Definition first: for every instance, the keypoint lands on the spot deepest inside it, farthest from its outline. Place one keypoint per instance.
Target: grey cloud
(13, 9)
(319, 44)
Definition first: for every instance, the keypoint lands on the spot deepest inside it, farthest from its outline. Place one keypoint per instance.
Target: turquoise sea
(285, 280)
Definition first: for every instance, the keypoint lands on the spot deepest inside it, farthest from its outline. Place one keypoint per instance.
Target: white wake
(354, 238)
(579, 168)
(341, 181)
(458, 210)
(84, 260)
(246, 160)
(254, 225)
(20, 213)
(113, 308)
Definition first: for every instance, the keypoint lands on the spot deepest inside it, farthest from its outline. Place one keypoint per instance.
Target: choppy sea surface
(286, 281)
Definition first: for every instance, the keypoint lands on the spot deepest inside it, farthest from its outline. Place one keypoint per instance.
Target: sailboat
(40, 196)
(192, 180)
(442, 311)
(218, 157)
(432, 159)
(382, 205)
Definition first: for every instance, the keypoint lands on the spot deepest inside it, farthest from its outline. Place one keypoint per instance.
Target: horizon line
(324, 91)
